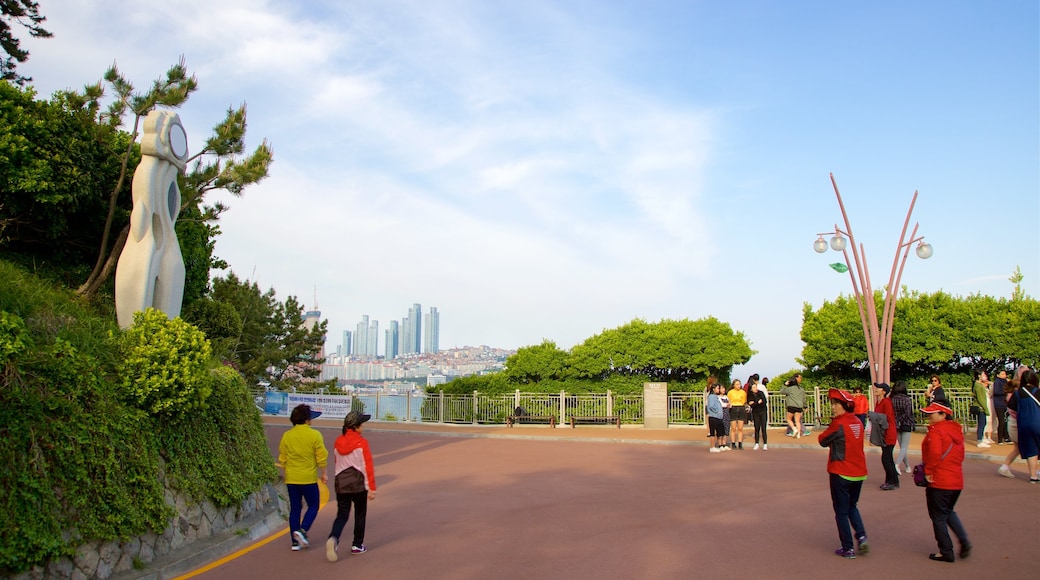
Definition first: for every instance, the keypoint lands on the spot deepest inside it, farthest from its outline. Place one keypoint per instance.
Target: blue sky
(548, 170)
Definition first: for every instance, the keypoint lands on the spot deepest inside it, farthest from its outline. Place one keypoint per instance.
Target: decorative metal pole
(878, 336)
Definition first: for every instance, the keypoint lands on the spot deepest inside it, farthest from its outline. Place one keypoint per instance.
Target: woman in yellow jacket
(303, 456)
(737, 414)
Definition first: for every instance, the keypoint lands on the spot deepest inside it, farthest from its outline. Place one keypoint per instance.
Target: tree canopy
(261, 337)
(27, 14)
(621, 359)
(933, 333)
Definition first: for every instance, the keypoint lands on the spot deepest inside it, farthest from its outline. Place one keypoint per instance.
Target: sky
(548, 170)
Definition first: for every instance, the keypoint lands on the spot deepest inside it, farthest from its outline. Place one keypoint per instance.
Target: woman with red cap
(847, 467)
(942, 452)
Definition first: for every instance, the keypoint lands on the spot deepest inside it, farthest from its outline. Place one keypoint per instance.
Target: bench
(532, 419)
(595, 419)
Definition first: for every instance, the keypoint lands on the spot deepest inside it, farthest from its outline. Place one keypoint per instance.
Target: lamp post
(877, 336)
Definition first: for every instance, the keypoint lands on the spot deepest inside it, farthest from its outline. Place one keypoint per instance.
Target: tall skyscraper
(392, 340)
(373, 339)
(361, 338)
(414, 326)
(431, 342)
(346, 343)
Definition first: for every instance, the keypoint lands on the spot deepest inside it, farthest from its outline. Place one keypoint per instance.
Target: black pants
(891, 475)
(1002, 431)
(343, 502)
(940, 510)
(761, 420)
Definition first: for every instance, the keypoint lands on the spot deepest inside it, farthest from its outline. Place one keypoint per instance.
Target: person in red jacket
(884, 406)
(847, 466)
(942, 453)
(355, 478)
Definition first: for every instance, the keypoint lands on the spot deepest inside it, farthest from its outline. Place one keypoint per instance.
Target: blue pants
(299, 493)
(981, 417)
(845, 497)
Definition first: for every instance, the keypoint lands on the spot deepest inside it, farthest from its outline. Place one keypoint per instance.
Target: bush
(219, 451)
(164, 364)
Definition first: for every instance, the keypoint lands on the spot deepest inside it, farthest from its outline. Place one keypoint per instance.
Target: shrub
(219, 451)
(164, 364)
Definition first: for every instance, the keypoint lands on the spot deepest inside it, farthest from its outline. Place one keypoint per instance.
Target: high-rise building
(392, 340)
(431, 342)
(414, 329)
(373, 339)
(346, 343)
(361, 338)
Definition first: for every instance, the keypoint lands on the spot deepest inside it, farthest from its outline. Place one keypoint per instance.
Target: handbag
(350, 480)
(919, 478)
(973, 410)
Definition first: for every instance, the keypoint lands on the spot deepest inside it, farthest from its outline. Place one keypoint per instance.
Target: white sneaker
(301, 538)
(765, 447)
(1005, 471)
(755, 448)
(714, 450)
(724, 448)
(330, 550)
(983, 445)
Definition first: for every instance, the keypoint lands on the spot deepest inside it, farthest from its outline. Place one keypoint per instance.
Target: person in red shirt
(847, 466)
(862, 404)
(942, 453)
(884, 407)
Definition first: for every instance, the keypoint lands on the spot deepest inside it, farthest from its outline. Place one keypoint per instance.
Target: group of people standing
(729, 411)
(302, 454)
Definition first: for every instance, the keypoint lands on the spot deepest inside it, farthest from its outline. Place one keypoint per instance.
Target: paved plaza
(466, 502)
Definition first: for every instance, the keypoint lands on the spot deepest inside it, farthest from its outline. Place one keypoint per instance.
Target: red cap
(936, 407)
(839, 395)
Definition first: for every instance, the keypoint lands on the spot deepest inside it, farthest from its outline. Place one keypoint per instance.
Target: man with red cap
(942, 453)
(847, 467)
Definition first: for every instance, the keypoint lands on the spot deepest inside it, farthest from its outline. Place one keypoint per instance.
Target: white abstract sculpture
(150, 271)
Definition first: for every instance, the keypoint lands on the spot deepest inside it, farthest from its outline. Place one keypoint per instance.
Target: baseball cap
(937, 407)
(839, 395)
(353, 419)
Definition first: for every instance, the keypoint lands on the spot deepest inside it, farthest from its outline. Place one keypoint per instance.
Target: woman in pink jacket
(355, 484)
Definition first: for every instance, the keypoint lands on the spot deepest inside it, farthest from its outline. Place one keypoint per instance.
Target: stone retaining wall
(98, 560)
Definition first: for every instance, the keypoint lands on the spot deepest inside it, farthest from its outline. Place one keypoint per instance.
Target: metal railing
(475, 408)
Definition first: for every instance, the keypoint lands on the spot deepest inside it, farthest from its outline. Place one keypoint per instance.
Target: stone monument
(150, 271)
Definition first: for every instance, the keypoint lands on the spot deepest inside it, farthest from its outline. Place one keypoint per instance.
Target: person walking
(302, 454)
(1012, 426)
(980, 407)
(794, 399)
(903, 406)
(886, 435)
(355, 477)
(942, 453)
(1026, 401)
(759, 414)
(737, 414)
(847, 469)
(1000, 408)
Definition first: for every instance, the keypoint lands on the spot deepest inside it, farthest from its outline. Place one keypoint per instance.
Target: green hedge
(80, 460)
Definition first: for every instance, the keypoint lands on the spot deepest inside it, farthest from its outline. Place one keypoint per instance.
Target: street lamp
(877, 336)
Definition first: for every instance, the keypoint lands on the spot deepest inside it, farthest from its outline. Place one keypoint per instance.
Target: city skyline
(400, 338)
